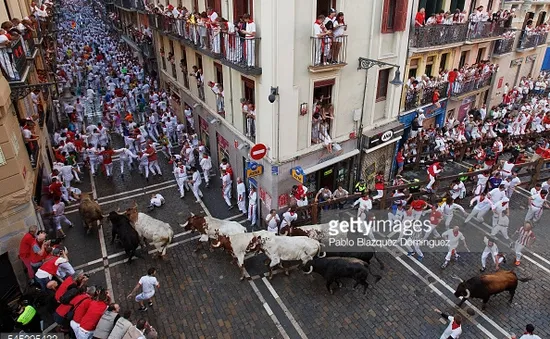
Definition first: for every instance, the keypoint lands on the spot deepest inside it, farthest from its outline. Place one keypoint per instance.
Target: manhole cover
(431, 279)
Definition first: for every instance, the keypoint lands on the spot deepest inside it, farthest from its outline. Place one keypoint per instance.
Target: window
(463, 58)
(457, 4)
(7, 9)
(412, 68)
(249, 111)
(183, 67)
(241, 7)
(429, 66)
(541, 18)
(172, 60)
(382, 86)
(324, 7)
(198, 57)
(323, 111)
(219, 73)
(394, 15)
(480, 54)
(443, 62)
(216, 5)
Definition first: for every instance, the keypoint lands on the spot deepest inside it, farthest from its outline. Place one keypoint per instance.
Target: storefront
(379, 149)
(336, 169)
(223, 147)
(435, 116)
(203, 133)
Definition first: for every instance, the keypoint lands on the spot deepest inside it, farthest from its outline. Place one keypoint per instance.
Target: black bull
(487, 285)
(365, 256)
(333, 269)
(126, 234)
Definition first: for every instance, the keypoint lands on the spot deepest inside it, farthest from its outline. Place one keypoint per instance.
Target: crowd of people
(477, 18)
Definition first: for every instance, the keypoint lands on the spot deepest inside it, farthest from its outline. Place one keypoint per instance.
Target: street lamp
(367, 64)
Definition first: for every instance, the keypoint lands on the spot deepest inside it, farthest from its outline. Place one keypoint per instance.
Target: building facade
(441, 48)
(305, 74)
(25, 99)
(522, 53)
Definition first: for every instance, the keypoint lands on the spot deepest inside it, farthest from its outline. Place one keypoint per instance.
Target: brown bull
(487, 285)
(90, 211)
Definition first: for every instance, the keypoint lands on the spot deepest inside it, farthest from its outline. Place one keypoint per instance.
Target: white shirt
(449, 332)
(148, 284)
(241, 191)
(196, 178)
(252, 197)
(206, 163)
(453, 240)
(59, 208)
(496, 195)
(364, 204)
(486, 204)
(180, 173)
(226, 180)
(288, 218)
(537, 201)
(529, 336)
(272, 221)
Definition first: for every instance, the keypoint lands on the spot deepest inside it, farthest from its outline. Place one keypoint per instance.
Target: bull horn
(217, 245)
(183, 225)
(284, 233)
(310, 270)
(192, 214)
(457, 278)
(467, 294)
(322, 254)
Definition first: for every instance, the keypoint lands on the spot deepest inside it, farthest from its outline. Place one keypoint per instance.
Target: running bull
(335, 268)
(123, 230)
(487, 285)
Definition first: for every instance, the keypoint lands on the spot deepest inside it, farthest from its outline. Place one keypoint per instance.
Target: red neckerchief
(454, 326)
(455, 233)
(481, 199)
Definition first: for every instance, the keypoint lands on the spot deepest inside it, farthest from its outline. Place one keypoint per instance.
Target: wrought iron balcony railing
(531, 39)
(13, 60)
(504, 46)
(118, 3)
(424, 96)
(232, 48)
(437, 35)
(29, 44)
(484, 30)
(139, 5)
(472, 84)
(328, 51)
(128, 4)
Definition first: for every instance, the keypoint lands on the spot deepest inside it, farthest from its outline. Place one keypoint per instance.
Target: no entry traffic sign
(258, 151)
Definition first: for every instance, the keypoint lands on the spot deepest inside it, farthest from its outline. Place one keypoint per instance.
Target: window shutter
(385, 13)
(400, 20)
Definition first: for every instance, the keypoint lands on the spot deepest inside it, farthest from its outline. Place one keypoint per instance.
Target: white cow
(280, 249)
(153, 230)
(238, 245)
(211, 227)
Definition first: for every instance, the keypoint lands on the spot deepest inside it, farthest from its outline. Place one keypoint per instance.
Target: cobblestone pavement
(202, 297)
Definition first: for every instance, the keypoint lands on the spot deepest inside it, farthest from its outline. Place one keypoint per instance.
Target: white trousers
(144, 167)
(432, 181)
(157, 202)
(242, 206)
(485, 254)
(432, 230)
(416, 249)
(448, 219)
(478, 213)
(479, 189)
(206, 173)
(182, 184)
(252, 213)
(227, 195)
(518, 248)
(60, 219)
(533, 214)
(502, 229)
(109, 169)
(125, 161)
(154, 165)
(197, 192)
(450, 253)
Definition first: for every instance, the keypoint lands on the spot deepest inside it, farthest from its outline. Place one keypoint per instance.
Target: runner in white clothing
(180, 173)
(252, 201)
(454, 236)
(288, 217)
(226, 188)
(195, 184)
(536, 205)
(513, 182)
(496, 194)
(206, 165)
(148, 283)
(448, 209)
(126, 157)
(454, 329)
(492, 249)
(483, 205)
(241, 196)
(365, 205)
(272, 220)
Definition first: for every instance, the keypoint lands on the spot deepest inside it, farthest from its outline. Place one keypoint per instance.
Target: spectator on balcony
(315, 127)
(319, 33)
(215, 36)
(456, 16)
(197, 73)
(324, 134)
(338, 31)
(212, 15)
(440, 17)
(249, 40)
(448, 18)
(432, 20)
(420, 18)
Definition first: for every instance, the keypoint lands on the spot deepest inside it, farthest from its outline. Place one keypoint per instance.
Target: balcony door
(216, 5)
(324, 7)
(241, 7)
(431, 6)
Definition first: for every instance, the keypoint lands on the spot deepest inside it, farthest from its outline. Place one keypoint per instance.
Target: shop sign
(328, 172)
(254, 169)
(275, 170)
(384, 136)
(298, 174)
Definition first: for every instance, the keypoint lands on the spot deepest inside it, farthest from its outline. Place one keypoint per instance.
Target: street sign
(275, 170)
(258, 151)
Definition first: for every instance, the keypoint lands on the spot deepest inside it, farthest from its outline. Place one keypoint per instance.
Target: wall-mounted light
(273, 94)
(215, 121)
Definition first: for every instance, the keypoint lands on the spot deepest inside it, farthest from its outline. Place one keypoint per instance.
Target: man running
(148, 283)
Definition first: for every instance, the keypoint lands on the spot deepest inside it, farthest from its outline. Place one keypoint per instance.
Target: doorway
(8, 281)
(326, 177)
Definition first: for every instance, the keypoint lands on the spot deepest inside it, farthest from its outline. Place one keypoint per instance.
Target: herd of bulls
(302, 244)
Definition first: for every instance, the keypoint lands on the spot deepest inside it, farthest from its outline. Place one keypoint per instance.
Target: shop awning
(332, 161)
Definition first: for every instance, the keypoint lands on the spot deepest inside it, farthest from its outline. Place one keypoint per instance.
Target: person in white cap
(241, 196)
(492, 249)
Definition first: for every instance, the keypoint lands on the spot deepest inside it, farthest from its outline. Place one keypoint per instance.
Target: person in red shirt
(435, 219)
(379, 185)
(400, 159)
(153, 159)
(55, 189)
(95, 310)
(418, 207)
(80, 305)
(452, 78)
(76, 281)
(108, 160)
(420, 18)
(25, 249)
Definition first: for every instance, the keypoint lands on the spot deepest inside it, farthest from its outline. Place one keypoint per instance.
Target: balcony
(531, 39)
(438, 35)
(424, 96)
(14, 61)
(470, 85)
(33, 149)
(328, 53)
(504, 46)
(231, 49)
(29, 45)
(147, 50)
(118, 3)
(139, 5)
(250, 126)
(484, 30)
(128, 4)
